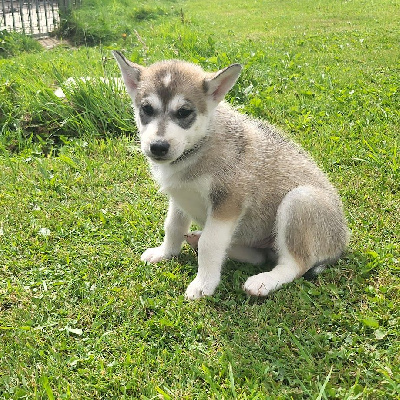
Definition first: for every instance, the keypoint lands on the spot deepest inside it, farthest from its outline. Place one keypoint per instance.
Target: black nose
(159, 148)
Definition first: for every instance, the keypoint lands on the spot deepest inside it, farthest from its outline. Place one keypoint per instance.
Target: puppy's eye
(148, 110)
(183, 112)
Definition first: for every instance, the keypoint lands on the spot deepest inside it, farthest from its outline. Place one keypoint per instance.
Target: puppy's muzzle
(159, 148)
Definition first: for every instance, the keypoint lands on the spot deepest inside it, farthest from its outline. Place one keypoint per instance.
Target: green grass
(82, 317)
(12, 44)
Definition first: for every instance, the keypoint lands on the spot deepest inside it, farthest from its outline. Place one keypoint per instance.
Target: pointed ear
(131, 73)
(220, 84)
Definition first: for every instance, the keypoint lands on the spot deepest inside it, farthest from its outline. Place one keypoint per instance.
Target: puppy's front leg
(176, 226)
(213, 244)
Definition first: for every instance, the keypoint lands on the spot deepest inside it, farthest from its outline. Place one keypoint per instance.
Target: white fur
(192, 199)
(248, 187)
(176, 226)
(284, 272)
(166, 80)
(217, 236)
(176, 102)
(154, 100)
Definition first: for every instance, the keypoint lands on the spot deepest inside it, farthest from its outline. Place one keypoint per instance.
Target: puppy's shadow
(235, 274)
(189, 257)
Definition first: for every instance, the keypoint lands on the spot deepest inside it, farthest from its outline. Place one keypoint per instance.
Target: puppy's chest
(193, 198)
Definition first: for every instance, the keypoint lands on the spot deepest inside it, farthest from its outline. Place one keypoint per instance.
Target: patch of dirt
(51, 42)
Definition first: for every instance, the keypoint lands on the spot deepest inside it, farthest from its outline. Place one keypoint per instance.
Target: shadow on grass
(352, 268)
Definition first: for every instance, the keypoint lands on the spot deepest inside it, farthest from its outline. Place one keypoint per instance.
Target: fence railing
(33, 17)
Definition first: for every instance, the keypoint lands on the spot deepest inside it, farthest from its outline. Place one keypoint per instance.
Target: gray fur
(244, 181)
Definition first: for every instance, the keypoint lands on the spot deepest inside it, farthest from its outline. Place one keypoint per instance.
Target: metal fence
(33, 17)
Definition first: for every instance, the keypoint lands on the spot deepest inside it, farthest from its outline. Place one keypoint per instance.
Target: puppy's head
(173, 102)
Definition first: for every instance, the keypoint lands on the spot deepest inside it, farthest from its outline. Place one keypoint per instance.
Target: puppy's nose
(159, 148)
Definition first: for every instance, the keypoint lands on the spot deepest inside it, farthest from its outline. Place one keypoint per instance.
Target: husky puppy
(248, 186)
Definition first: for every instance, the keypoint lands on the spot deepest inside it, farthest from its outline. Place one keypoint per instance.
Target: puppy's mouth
(168, 158)
(160, 160)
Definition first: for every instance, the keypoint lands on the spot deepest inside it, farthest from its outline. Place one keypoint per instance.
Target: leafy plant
(13, 43)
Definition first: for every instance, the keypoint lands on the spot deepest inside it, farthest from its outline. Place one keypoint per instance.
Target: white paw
(261, 284)
(193, 238)
(154, 255)
(198, 289)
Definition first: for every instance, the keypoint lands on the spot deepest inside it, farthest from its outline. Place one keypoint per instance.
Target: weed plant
(13, 43)
(81, 317)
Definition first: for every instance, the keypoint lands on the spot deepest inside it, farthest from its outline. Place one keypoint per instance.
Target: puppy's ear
(131, 73)
(220, 84)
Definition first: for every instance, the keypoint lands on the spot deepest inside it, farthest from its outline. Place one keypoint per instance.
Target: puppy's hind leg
(310, 230)
(246, 254)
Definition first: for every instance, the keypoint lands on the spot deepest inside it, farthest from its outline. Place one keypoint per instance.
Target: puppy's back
(253, 163)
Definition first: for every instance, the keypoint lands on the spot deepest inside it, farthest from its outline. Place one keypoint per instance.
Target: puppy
(249, 187)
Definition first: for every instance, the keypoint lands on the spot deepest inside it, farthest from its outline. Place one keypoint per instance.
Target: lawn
(81, 317)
